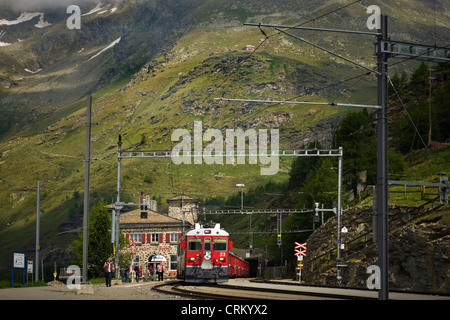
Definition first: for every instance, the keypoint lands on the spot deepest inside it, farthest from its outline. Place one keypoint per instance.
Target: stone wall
(419, 250)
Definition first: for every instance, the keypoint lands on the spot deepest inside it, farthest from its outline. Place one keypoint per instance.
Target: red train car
(238, 267)
(204, 256)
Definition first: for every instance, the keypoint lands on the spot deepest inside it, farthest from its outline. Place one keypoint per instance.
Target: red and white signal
(300, 249)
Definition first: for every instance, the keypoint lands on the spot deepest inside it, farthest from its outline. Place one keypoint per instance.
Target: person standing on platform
(136, 270)
(108, 267)
(160, 269)
(150, 271)
(127, 272)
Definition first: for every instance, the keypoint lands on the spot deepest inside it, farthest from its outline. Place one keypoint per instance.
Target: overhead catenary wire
(357, 78)
(266, 37)
(303, 102)
(328, 51)
(242, 63)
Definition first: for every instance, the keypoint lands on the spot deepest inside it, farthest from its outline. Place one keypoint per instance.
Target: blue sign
(18, 263)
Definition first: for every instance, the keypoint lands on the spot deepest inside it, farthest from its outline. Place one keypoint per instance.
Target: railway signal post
(300, 252)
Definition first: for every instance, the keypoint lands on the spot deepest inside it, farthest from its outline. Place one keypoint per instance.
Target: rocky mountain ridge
(38, 58)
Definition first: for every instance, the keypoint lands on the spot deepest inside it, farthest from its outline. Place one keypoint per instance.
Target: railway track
(234, 292)
(178, 288)
(246, 290)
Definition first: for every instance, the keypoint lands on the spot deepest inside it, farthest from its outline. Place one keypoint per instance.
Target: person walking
(122, 273)
(136, 270)
(154, 272)
(160, 269)
(127, 272)
(150, 272)
(108, 267)
(146, 270)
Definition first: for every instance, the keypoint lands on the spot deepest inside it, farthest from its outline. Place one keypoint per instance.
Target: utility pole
(429, 108)
(385, 48)
(382, 163)
(86, 190)
(250, 241)
(241, 185)
(339, 214)
(117, 206)
(36, 270)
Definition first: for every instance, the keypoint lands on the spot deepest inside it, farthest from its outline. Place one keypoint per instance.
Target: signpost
(18, 263)
(29, 269)
(300, 252)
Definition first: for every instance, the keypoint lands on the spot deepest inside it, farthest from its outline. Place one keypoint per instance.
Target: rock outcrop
(419, 250)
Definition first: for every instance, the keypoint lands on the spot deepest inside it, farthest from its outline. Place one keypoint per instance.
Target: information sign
(19, 260)
(18, 263)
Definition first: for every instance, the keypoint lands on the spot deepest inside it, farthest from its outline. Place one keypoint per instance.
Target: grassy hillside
(176, 87)
(169, 92)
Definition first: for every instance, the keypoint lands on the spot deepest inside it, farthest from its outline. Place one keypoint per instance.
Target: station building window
(174, 237)
(137, 237)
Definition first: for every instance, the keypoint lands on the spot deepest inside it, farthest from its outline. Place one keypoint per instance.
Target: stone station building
(155, 235)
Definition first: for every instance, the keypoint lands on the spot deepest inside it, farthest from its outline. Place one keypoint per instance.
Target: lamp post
(241, 185)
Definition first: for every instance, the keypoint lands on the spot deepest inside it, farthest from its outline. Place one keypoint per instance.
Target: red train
(204, 256)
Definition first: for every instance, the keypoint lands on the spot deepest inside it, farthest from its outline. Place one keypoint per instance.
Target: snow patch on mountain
(112, 44)
(27, 16)
(98, 8)
(33, 72)
(42, 24)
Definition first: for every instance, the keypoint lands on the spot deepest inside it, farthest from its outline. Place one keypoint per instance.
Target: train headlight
(222, 259)
(191, 259)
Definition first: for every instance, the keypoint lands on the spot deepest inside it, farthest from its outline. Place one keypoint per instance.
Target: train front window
(195, 244)
(220, 244)
(207, 244)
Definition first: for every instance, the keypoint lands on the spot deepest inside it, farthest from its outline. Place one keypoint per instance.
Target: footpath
(125, 291)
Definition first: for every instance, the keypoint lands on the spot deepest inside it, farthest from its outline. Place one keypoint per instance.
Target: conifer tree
(99, 243)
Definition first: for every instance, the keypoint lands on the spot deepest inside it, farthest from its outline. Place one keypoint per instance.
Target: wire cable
(357, 78)
(266, 37)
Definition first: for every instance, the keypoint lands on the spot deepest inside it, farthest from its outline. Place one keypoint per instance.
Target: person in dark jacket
(136, 270)
(108, 267)
(127, 272)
